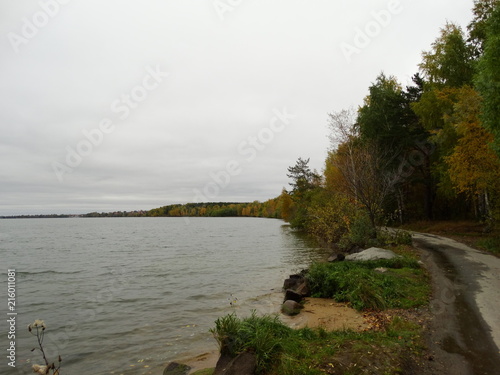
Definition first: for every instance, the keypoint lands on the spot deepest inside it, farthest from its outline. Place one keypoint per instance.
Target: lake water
(129, 295)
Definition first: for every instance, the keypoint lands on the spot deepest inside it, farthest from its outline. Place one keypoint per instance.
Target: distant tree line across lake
(269, 209)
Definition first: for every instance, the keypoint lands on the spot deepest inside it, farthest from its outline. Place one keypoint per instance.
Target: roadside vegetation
(472, 233)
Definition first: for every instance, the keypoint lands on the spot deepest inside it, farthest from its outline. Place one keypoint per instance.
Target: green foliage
(394, 237)
(329, 216)
(263, 336)
(386, 116)
(360, 232)
(303, 179)
(478, 26)
(404, 285)
(449, 63)
(299, 216)
(305, 186)
(491, 244)
(309, 351)
(488, 77)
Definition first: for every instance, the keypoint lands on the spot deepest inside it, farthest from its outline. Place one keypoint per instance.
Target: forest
(427, 151)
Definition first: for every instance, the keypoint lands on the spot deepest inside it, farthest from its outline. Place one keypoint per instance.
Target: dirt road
(465, 329)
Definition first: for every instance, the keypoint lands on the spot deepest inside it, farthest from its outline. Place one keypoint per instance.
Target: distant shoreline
(271, 208)
(40, 216)
(85, 216)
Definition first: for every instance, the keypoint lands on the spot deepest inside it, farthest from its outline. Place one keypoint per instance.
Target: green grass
(263, 336)
(284, 351)
(281, 350)
(404, 285)
(491, 244)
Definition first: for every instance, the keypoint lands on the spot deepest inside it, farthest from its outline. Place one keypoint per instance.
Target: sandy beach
(327, 314)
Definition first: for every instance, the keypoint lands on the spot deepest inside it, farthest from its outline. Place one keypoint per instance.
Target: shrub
(491, 244)
(263, 336)
(398, 237)
(329, 217)
(360, 232)
(403, 285)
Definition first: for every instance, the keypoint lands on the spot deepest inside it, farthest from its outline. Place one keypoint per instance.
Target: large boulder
(290, 283)
(291, 308)
(336, 258)
(223, 363)
(373, 253)
(293, 282)
(292, 295)
(243, 364)
(304, 290)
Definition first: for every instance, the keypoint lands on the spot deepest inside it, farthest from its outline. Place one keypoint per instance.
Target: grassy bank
(391, 293)
(281, 350)
(382, 284)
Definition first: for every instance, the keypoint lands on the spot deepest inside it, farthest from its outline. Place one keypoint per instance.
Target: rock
(336, 258)
(291, 308)
(222, 363)
(381, 269)
(292, 295)
(373, 253)
(290, 283)
(175, 368)
(293, 281)
(355, 249)
(243, 364)
(303, 290)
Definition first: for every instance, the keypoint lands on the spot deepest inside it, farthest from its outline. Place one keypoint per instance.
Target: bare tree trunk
(401, 206)
(487, 212)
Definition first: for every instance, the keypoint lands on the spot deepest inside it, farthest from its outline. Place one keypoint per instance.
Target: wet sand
(328, 314)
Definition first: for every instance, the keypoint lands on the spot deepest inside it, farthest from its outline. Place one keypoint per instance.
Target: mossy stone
(176, 369)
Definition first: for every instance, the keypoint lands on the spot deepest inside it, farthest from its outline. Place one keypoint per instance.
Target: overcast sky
(125, 104)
